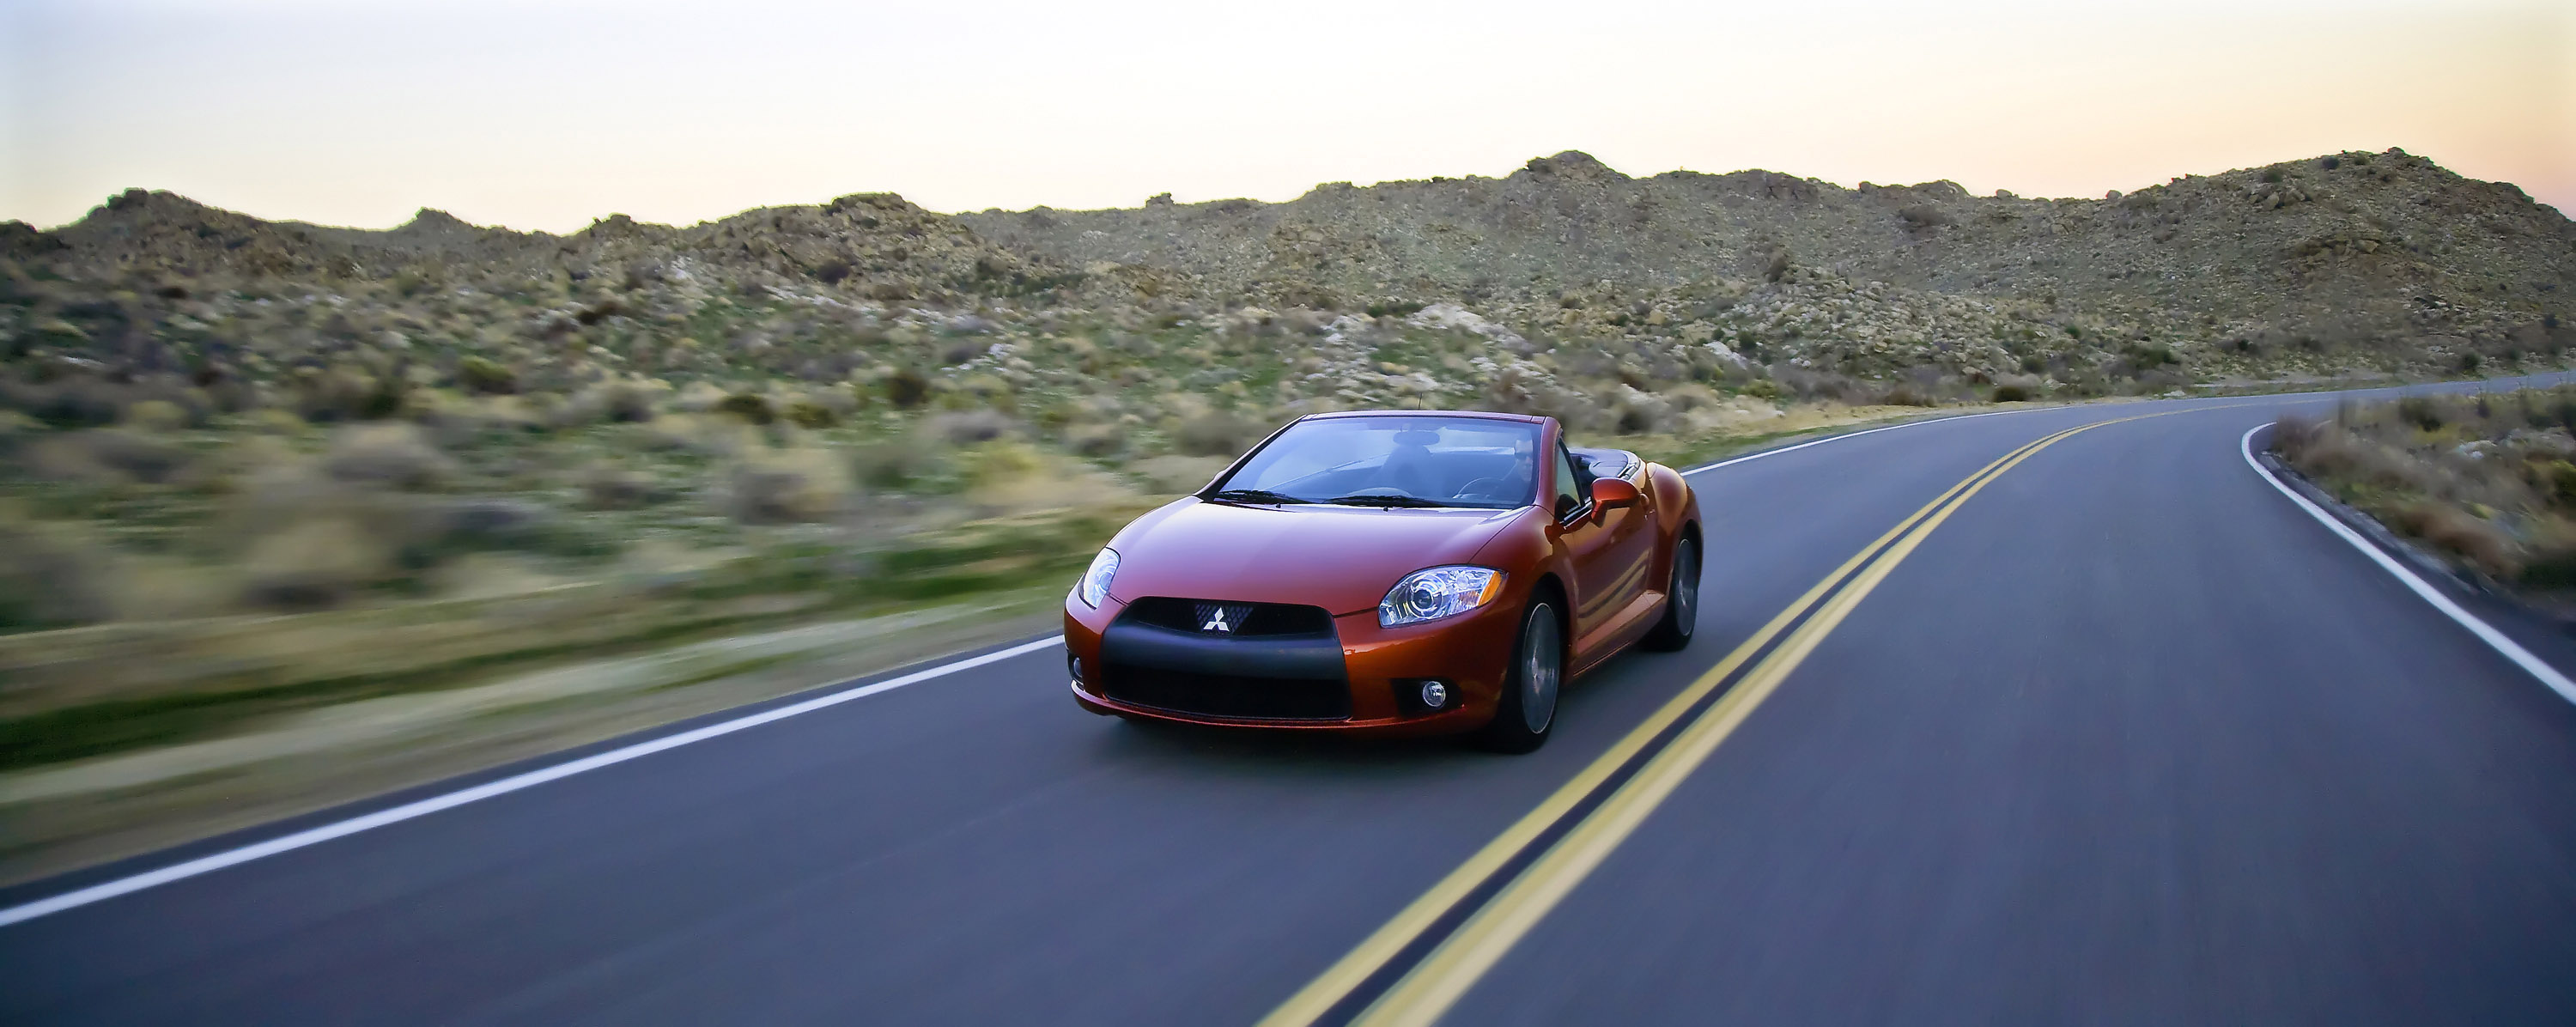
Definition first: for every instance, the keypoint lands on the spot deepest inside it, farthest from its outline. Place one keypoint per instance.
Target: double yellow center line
(1415, 966)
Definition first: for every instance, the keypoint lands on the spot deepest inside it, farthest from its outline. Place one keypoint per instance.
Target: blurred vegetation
(2487, 480)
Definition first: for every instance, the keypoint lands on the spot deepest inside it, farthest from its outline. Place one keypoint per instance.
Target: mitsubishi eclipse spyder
(1389, 572)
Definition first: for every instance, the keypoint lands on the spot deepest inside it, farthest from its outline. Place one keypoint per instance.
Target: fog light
(1076, 661)
(1435, 694)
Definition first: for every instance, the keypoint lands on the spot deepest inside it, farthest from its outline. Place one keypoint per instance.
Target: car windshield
(1392, 461)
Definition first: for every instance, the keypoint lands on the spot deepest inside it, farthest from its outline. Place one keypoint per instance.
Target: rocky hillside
(2350, 260)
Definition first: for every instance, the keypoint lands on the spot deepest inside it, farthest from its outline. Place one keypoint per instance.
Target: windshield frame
(1538, 429)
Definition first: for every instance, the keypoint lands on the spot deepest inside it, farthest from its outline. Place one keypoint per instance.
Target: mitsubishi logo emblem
(1216, 622)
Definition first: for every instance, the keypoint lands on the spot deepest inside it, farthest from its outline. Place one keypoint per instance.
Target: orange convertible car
(1397, 572)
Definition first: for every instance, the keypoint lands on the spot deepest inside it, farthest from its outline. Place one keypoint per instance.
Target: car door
(1608, 552)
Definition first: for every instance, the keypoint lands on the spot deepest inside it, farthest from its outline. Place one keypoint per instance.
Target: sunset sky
(545, 115)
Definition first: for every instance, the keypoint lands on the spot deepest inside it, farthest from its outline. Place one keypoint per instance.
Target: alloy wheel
(1541, 671)
(1686, 586)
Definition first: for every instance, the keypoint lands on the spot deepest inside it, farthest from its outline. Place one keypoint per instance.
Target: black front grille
(1228, 695)
(1203, 615)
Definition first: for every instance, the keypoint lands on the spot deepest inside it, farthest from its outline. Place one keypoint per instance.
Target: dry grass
(2485, 480)
(788, 486)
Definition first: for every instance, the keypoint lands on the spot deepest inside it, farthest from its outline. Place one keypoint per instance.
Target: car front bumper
(1380, 669)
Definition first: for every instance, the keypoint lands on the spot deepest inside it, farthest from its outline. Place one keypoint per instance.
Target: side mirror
(1610, 492)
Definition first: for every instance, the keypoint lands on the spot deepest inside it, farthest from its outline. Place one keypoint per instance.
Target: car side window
(1569, 488)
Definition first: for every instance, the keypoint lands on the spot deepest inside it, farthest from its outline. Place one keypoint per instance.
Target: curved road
(2125, 737)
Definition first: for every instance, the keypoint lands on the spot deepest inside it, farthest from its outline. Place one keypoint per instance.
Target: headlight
(1438, 592)
(1095, 582)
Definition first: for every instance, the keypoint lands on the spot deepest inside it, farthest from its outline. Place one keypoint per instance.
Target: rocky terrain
(2349, 260)
(203, 413)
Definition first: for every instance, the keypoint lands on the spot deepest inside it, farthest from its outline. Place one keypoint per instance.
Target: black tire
(1531, 687)
(1681, 600)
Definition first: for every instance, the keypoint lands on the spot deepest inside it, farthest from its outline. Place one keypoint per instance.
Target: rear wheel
(1528, 707)
(1681, 600)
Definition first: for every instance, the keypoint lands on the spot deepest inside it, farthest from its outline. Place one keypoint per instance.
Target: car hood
(1340, 558)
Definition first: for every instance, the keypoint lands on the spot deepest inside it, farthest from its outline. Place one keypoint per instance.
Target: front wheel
(1528, 707)
(1681, 600)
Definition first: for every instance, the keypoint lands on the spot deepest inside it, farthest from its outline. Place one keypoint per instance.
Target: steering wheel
(1487, 488)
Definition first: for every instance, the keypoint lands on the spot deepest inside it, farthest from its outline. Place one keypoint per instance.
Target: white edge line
(504, 786)
(2487, 633)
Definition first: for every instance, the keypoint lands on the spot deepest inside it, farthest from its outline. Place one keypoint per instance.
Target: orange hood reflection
(1340, 558)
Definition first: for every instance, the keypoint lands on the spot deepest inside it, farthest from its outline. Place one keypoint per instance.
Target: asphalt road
(2129, 738)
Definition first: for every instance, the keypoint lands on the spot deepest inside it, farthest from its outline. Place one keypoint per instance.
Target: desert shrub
(806, 413)
(1216, 433)
(65, 403)
(2010, 393)
(969, 427)
(459, 526)
(2426, 413)
(2550, 560)
(786, 486)
(480, 374)
(897, 464)
(845, 399)
(699, 397)
(1921, 217)
(2337, 455)
(512, 413)
(622, 402)
(751, 407)
(1096, 440)
(1000, 462)
(2162, 379)
(690, 433)
(51, 576)
(907, 389)
(340, 394)
(1909, 394)
(482, 521)
(1635, 412)
(2558, 480)
(314, 563)
(2481, 544)
(609, 487)
(155, 415)
(1776, 265)
(1807, 383)
(2292, 435)
(275, 421)
(102, 455)
(390, 455)
(17, 430)
(1689, 396)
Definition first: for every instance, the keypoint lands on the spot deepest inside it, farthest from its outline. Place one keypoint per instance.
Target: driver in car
(1409, 466)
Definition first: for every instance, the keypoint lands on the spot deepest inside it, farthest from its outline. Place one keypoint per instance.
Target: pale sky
(545, 115)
